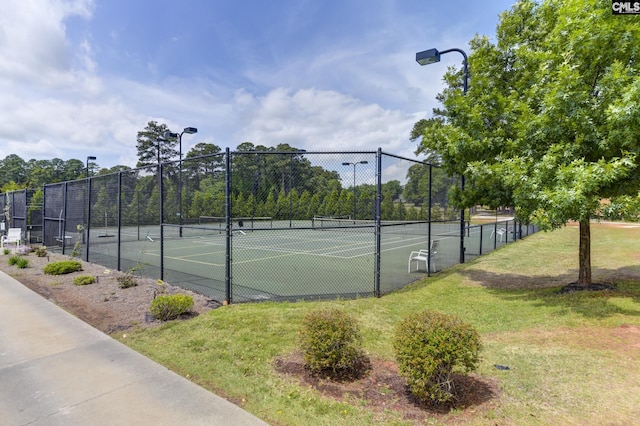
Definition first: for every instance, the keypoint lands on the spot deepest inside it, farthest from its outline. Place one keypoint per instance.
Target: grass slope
(573, 358)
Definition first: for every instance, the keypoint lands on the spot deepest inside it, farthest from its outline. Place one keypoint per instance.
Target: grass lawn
(572, 358)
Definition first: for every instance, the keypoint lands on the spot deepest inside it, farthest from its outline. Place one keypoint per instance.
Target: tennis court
(323, 258)
(268, 225)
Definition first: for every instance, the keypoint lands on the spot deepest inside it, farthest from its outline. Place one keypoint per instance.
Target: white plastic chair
(500, 233)
(14, 235)
(423, 256)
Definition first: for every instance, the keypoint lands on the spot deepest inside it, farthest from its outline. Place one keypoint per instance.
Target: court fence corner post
(376, 289)
(161, 206)
(227, 202)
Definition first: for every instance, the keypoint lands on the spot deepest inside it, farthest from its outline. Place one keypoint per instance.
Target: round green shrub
(62, 267)
(429, 348)
(84, 280)
(13, 260)
(330, 343)
(167, 307)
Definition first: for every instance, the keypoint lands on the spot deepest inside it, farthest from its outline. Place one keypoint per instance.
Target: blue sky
(82, 77)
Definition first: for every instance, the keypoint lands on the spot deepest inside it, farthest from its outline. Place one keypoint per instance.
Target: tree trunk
(584, 274)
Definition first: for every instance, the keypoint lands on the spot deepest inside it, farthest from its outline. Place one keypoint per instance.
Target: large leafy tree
(551, 121)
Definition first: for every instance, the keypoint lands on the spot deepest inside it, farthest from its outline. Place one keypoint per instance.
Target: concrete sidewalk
(57, 370)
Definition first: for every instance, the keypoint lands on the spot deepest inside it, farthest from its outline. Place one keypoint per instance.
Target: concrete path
(57, 370)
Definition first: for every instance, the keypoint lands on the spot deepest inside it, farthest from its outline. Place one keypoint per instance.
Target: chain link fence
(268, 225)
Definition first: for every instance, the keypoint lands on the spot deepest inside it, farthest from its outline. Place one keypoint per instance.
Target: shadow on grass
(545, 290)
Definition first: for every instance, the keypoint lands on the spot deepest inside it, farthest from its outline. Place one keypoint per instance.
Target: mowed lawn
(572, 358)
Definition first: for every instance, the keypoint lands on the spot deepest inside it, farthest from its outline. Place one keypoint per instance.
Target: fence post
(119, 219)
(228, 224)
(42, 219)
(462, 224)
(161, 198)
(376, 289)
(429, 206)
(64, 217)
(88, 224)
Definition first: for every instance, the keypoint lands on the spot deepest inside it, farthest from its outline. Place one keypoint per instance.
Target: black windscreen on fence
(269, 225)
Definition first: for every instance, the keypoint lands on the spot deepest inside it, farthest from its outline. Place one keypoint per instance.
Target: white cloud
(34, 48)
(57, 102)
(322, 120)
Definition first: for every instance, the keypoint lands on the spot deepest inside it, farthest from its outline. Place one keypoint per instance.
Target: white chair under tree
(424, 255)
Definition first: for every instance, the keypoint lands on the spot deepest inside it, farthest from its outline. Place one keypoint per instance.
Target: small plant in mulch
(22, 263)
(168, 307)
(330, 341)
(129, 280)
(77, 247)
(18, 261)
(62, 267)
(40, 251)
(6, 251)
(430, 348)
(84, 280)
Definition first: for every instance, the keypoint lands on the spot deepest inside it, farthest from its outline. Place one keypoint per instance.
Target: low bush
(127, 281)
(13, 260)
(330, 343)
(167, 307)
(22, 263)
(84, 280)
(40, 251)
(62, 267)
(430, 347)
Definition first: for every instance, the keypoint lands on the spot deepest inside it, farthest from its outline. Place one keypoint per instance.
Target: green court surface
(277, 262)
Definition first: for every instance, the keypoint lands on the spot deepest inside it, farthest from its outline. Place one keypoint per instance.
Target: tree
(209, 163)
(392, 189)
(75, 169)
(153, 146)
(13, 169)
(114, 169)
(550, 124)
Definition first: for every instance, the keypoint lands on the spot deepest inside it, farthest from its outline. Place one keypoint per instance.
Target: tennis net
(399, 227)
(219, 222)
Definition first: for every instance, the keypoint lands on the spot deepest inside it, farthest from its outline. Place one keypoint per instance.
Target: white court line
(288, 253)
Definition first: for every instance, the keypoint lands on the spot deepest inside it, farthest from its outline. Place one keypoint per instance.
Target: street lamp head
(168, 135)
(364, 162)
(90, 158)
(427, 57)
(346, 164)
(190, 130)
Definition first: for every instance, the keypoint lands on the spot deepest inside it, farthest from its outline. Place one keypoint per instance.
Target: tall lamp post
(354, 184)
(432, 56)
(89, 158)
(190, 131)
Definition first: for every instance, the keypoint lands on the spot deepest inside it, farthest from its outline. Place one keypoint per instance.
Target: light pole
(354, 184)
(188, 130)
(89, 158)
(432, 56)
